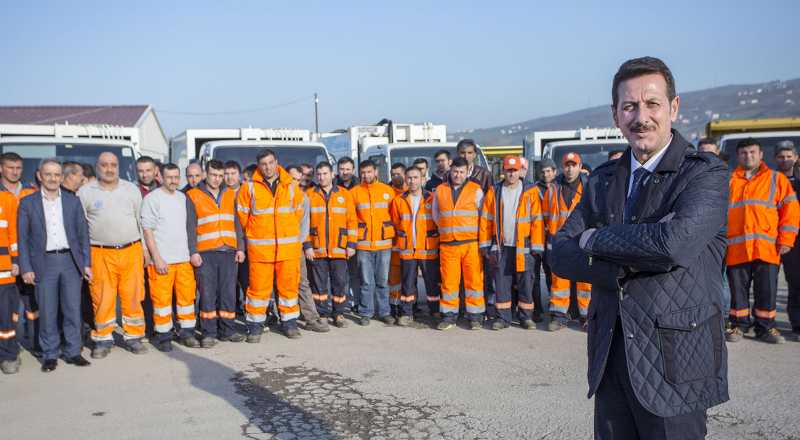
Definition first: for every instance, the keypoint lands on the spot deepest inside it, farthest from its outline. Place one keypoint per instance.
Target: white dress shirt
(650, 165)
(54, 223)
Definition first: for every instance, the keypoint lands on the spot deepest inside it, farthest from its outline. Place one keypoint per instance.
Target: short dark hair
(215, 164)
(440, 152)
(88, 170)
(171, 166)
(233, 164)
(459, 162)
(706, 141)
(366, 164)
(746, 142)
(322, 165)
(250, 169)
(637, 67)
(264, 153)
(294, 167)
(10, 157)
(466, 143)
(419, 161)
(146, 159)
(615, 152)
(397, 165)
(344, 160)
(414, 169)
(71, 167)
(306, 166)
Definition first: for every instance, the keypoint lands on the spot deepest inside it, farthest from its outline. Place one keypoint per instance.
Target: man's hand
(161, 266)
(309, 253)
(240, 256)
(29, 278)
(87, 274)
(782, 249)
(147, 260)
(14, 270)
(350, 252)
(196, 260)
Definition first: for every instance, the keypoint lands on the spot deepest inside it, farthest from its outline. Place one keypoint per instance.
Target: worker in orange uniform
(9, 296)
(398, 182)
(457, 212)
(560, 200)
(417, 244)
(330, 243)
(517, 234)
(11, 180)
(216, 247)
(274, 214)
(166, 235)
(374, 245)
(763, 216)
(112, 207)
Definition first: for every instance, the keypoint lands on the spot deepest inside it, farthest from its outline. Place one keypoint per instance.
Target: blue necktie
(639, 176)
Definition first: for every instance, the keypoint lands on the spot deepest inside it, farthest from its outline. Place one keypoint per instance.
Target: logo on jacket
(340, 199)
(385, 196)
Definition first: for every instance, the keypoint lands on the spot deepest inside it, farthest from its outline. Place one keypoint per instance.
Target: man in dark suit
(54, 256)
(649, 234)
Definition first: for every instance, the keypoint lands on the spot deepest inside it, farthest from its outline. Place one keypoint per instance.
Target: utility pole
(316, 113)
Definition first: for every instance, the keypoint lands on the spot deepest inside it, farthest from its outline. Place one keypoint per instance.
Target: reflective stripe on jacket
(333, 222)
(8, 235)
(375, 227)
(216, 223)
(529, 222)
(554, 207)
(417, 238)
(461, 220)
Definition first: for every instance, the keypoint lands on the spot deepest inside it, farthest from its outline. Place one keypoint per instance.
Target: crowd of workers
(310, 243)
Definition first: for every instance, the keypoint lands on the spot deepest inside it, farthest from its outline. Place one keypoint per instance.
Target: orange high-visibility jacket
(217, 225)
(417, 238)
(554, 207)
(529, 222)
(375, 227)
(762, 212)
(8, 236)
(461, 220)
(274, 224)
(334, 224)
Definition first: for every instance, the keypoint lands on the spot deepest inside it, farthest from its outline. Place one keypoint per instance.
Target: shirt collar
(651, 163)
(44, 196)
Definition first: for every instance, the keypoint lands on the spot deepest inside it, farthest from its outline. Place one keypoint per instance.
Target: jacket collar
(284, 179)
(740, 173)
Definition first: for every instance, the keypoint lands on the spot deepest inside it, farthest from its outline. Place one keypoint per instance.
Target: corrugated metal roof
(124, 115)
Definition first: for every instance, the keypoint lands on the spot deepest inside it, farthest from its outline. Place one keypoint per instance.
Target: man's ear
(674, 107)
(614, 115)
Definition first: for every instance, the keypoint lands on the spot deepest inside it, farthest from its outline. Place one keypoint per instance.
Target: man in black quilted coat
(649, 235)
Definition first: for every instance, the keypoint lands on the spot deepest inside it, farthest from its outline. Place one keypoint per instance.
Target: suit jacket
(32, 233)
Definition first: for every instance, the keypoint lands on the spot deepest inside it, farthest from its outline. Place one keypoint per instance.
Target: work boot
(253, 338)
(528, 324)
(189, 341)
(555, 325)
(404, 321)
(772, 336)
(796, 333)
(388, 319)
(162, 345)
(100, 351)
(499, 324)
(445, 324)
(364, 321)
(537, 316)
(475, 324)
(584, 325)
(10, 367)
(733, 334)
(292, 332)
(339, 321)
(135, 346)
(319, 326)
(208, 342)
(233, 337)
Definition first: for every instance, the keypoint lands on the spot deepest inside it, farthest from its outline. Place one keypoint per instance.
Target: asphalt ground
(374, 382)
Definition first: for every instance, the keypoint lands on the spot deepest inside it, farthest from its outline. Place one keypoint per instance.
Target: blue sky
(466, 64)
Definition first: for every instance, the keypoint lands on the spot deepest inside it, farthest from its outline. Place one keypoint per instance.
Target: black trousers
(324, 272)
(507, 278)
(791, 270)
(9, 304)
(618, 415)
(216, 281)
(408, 286)
(27, 296)
(539, 264)
(764, 279)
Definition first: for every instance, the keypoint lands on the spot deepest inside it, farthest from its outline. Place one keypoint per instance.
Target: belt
(58, 251)
(115, 246)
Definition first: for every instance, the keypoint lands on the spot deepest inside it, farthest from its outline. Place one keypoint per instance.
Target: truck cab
(385, 155)
(767, 139)
(593, 152)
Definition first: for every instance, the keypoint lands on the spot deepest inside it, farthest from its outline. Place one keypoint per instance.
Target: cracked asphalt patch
(298, 402)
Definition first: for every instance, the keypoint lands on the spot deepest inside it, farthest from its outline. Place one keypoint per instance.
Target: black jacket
(660, 275)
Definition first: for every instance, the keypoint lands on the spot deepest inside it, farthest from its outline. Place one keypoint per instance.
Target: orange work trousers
(559, 296)
(286, 276)
(179, 279)
(395, 280)
(117, 273)
(455, 260)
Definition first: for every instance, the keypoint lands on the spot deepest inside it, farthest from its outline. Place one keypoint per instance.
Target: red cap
(512, 163)
(571, 157)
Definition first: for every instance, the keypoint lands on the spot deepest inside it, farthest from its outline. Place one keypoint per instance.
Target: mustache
(641, 127)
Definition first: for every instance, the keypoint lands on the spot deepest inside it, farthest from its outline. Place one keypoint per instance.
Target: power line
(238, 112)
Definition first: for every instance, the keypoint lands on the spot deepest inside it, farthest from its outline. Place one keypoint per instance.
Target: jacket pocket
(313, 232)
(362, 231)
(342, 239)
(691, 343)
(388, 230)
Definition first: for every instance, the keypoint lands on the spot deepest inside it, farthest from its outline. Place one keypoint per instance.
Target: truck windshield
(592, 155)
(32, 154)
(287, 155)
(407, 156)
(767, 144)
